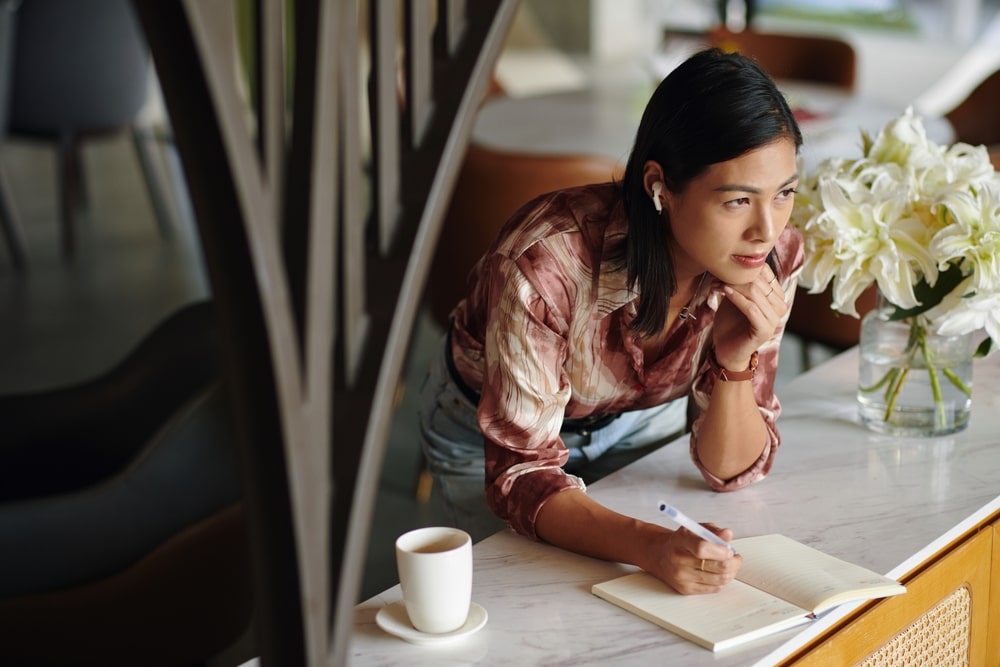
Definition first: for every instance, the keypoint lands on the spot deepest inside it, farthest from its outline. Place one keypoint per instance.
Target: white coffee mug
(435, 573)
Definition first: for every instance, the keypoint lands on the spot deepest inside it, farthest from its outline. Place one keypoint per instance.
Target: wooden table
(897, 506)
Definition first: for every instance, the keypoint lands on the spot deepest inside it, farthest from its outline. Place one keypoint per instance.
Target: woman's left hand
(747, 319)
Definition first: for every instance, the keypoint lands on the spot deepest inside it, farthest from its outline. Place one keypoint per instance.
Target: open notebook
(783, 583)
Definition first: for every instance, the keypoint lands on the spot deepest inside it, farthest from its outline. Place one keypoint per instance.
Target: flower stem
(896, 386)
(898, 342)
(890, 375)
(957, 381)
(935, 381)
(892, 394)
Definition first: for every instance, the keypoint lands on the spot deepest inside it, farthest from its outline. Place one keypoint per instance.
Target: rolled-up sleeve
(524, 395)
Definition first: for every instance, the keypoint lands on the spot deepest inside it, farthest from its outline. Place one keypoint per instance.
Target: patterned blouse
(544, 333)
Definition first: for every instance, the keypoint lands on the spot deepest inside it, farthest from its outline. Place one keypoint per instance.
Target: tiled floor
(64, 321)
(68, 320)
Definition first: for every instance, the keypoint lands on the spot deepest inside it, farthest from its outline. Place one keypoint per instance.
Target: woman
(598, 307)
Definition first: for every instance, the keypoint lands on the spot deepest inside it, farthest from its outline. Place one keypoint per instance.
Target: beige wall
(603, 29)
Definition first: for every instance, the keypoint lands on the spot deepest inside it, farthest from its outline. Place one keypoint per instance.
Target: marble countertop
(884, 503)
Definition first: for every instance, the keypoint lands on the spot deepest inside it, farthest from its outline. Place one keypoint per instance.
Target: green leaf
(983, 349)
(931, 296)
(866, 143)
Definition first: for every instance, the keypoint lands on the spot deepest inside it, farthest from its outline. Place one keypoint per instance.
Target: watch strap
(726, 375)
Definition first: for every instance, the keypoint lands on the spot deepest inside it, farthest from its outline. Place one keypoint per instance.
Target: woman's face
(727, 219)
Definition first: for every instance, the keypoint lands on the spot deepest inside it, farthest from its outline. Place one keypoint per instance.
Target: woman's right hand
(573, 520)
(691, 565)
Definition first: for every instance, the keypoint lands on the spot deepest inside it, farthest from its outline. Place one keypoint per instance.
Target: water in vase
(897, 393)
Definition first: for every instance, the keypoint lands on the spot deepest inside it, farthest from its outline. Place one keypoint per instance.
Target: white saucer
(393, 619)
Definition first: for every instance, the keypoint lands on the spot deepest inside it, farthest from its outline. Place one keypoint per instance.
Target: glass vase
(912, 381)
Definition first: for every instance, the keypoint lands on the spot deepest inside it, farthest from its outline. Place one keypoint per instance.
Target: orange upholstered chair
(491, 186)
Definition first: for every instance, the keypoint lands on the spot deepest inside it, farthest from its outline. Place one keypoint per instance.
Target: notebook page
(738, 614)
(805, 576)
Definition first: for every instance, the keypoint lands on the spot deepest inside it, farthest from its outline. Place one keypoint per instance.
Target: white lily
(897, 216)
(922, 222)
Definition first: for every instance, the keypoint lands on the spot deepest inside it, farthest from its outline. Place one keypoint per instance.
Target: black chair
(121, 522)
(82, 69)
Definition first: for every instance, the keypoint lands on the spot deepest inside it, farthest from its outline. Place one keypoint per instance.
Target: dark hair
(712, 108)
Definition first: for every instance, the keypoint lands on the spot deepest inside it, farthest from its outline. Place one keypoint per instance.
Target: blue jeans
(453, 446)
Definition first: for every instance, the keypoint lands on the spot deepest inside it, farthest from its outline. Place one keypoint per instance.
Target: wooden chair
(815, 58)
(976, 119)
(491, 186)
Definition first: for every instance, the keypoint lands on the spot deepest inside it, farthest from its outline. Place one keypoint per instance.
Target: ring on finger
(702, 568)
(769, 293)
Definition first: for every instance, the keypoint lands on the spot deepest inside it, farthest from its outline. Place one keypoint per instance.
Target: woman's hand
(574, 521)
(747, 319)
(691, 565)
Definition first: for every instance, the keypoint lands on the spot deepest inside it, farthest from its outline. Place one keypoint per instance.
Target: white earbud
(657, 202)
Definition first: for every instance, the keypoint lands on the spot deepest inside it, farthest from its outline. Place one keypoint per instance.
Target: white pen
(693, 526)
